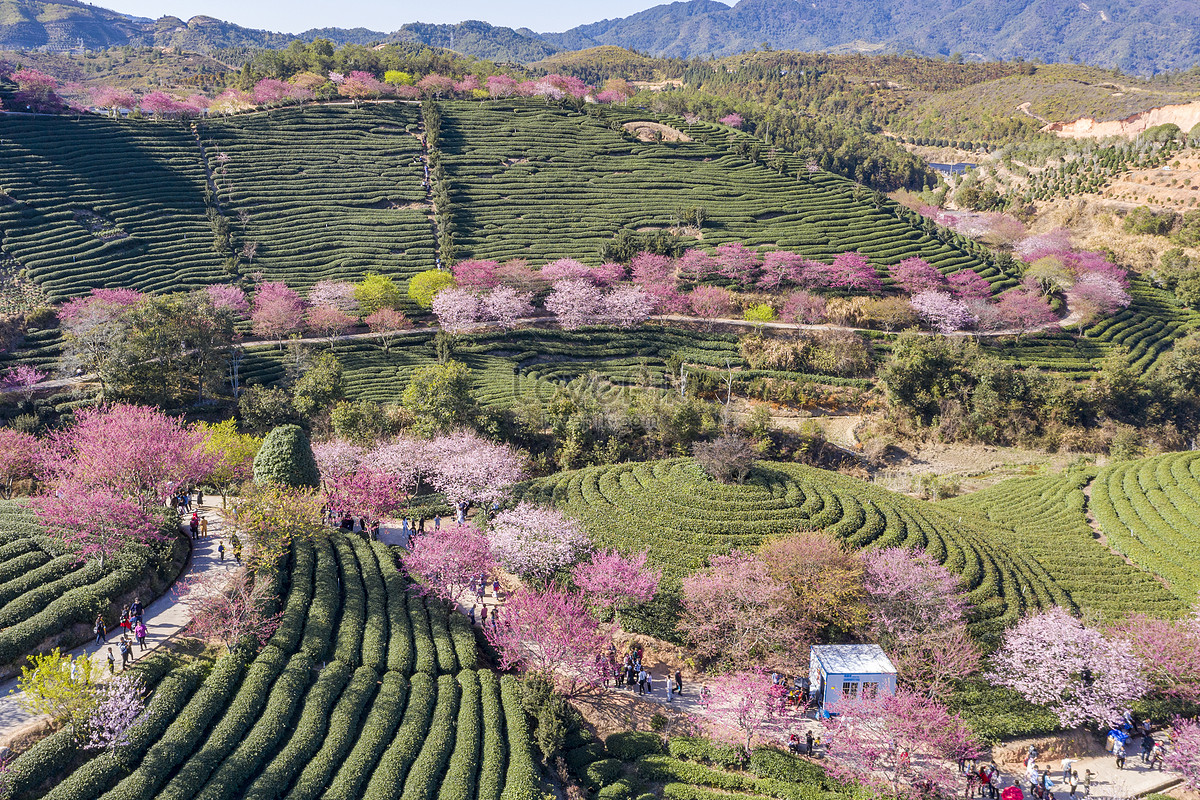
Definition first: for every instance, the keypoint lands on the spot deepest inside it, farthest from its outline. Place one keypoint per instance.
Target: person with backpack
(221, 550)
(135, 609)
(98, 629)
(112, 663)
(126, 652)
(1119, 752)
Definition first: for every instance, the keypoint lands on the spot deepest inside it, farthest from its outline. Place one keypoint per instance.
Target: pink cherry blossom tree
(278, 311)
(457, 310)
(650, 268)
(1018, 310)
(535, 541)
(745, 705)
(448, 559)
(134, 452)
(695, 266)
(387, 322)
(574, 302)
(36, 91)
(895, 743)
(467, 468)
(476, 274)
(18, 458)
(735, 612)
(229, 615)
(22, 380)
(116, 299)
(780, 267)
(733, 120)
(853, 271)
(506, 306)
(329, 321)
(1183, 756)
(611, 581)
(1169, 651)
(114, 99)
(738, 263)
(967, 284)
(94, 522)
(942, 312)
(1054, 660)
(500, 86)
(161, 104)
(803, 308)
(916, 275)
(467, 85)
(550, 633)
(710, 302)
(1094, 294)
(626, 306)
(435, 85)
(335, 294)
(918, 614)
(120, 704)
(224, 295)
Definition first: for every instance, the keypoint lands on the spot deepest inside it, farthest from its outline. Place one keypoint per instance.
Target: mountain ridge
(1134, 36)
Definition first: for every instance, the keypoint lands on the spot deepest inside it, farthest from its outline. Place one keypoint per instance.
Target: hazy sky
(293, 16)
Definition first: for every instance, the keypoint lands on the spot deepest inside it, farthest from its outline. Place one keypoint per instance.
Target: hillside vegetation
(685, 518)
(365, 690)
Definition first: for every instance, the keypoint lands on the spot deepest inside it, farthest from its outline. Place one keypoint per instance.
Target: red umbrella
(1012, 793)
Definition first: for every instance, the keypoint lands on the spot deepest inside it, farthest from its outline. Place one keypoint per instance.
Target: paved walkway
(1135, 780)
(164, 618)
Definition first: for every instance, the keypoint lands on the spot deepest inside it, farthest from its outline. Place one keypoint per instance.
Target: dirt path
(1094, 524)
(164, 618)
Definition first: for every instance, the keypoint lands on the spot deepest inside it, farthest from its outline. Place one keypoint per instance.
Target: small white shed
(847, 671)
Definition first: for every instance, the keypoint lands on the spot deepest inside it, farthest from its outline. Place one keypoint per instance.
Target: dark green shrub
(632, 745)
(286, 457)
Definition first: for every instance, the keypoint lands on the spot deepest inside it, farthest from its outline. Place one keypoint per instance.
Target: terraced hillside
(1046, 516)
(541, 182)
(1150, 511)
(98, 202)
(531, 362)
(45, 591)
(328, 192)
(364, 691)
(684, 518)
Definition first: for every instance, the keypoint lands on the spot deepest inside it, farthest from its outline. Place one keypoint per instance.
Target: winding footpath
(164, 618)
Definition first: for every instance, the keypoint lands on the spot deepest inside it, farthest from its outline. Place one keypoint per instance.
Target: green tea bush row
(377, 732)
(307, 736)
(342, 732)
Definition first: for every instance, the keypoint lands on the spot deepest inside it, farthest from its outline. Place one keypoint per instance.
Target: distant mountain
(1135, 35)
(1142, 36)
(67, 24)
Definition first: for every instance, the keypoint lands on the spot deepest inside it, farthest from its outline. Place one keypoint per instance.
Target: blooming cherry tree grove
(1054, 660)
(967, 284)
(535, 541)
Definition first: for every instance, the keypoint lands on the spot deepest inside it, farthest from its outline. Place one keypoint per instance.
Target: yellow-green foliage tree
(425, 285)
